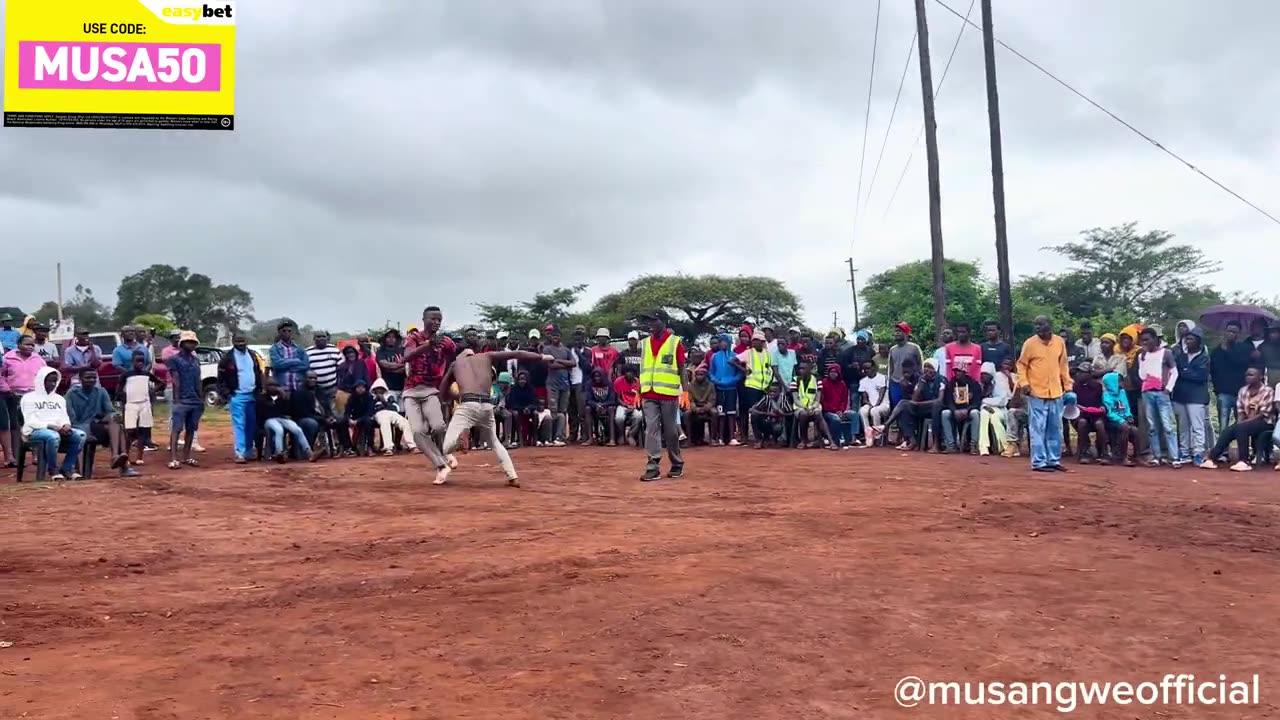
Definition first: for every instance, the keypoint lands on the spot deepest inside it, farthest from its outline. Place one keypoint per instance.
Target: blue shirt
(9, 338)
(122, 356)
(244, 372)
(186, 369)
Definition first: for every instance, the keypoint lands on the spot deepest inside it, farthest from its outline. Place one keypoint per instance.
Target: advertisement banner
(163, 64)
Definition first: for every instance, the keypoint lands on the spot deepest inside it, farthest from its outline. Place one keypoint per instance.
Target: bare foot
(513, 482)
(442, 475)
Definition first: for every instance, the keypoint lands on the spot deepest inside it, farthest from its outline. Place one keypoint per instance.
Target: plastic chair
(87, 454)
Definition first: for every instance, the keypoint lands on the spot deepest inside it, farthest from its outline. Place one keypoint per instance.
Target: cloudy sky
(394, 154)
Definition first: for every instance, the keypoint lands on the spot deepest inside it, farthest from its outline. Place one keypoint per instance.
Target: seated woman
(992, 413)
(1093, 416)
(1255, 412)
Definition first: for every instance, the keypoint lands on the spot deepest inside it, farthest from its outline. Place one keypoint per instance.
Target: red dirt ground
(771, 584)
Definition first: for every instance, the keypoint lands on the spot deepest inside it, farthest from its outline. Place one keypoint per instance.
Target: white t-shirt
(575, 372)
(872, 385)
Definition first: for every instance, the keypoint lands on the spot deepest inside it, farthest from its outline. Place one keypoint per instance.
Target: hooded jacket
(720, 371)
(387, 402)
(41, 408)
(1192, 387)
(1115, 400)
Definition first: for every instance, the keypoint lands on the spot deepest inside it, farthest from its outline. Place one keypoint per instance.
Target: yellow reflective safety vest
(761, 369)
(660, 373)
(806, 393)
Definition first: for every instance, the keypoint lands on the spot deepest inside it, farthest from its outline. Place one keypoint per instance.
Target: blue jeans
(277, 427)
(244, 422)
(1160, 422)
(1045, 424)
(48, 440)
(842, 434)
(1226, 411)
(895, 393)
(949, 439)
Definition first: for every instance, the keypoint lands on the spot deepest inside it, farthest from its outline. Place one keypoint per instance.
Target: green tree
(263, 332)
(701, 304)
(192, 300)
(905, 293)
(1118, 269)
(553, 306)
(87, 311)
(161, 323)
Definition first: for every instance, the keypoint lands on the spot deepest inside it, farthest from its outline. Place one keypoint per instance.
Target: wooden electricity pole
(931, 154)
(853, 283)
(997, 175)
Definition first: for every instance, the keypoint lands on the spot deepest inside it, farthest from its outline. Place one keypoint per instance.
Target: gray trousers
(426, 417)
(660, 426)
(1193, 422)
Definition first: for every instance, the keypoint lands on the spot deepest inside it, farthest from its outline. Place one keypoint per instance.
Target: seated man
(89, 407)
(925, 407)
(905, 389)
(601, 404)
(46, 425)
(835, 410)
(959, 403)
(770, 415)
(808, 408)
(1093, 414)
(522, 402)
(874, 391)
(272, 411)
(386, 415)
(359, 416)
(311, 410)
(704, 418)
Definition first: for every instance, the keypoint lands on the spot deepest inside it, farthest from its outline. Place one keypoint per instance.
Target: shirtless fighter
(474, 375)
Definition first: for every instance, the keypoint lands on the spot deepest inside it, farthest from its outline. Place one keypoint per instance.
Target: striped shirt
(324, 361)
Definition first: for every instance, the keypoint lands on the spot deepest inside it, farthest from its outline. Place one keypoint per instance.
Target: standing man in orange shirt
(1043, 375)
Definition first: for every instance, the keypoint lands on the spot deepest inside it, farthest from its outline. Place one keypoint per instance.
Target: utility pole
(853, 283)
(931, 154)
(59, 293)
(997, 175)
(835, 319)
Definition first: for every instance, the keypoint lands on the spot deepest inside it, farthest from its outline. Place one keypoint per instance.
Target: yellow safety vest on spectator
(761, 370)
(806, 396)
(660, 374)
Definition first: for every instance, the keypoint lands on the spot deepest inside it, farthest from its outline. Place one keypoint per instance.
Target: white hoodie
(40, 408)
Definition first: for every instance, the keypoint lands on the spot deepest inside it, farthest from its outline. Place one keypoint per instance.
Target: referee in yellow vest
(661, 385)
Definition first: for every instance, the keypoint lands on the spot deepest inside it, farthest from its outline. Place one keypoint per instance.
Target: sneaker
(1177, 464)
(1242, 466)
(1207, 465)
(76, 476)
(58, 477)
(677, 472)
(128, 472)
(197, 447)
(557, 443)
(1197, 460)
(650, 475)
(734, 443)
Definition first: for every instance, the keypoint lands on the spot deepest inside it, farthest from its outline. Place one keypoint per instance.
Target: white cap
(633, 335)
(534, 333)
(503, 334)
(602, 332)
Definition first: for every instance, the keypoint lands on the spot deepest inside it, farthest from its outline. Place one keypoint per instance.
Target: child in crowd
(501, 414)
(359, 416)
(386, 415)
(770, 417)
(727, 377)
(133, 390)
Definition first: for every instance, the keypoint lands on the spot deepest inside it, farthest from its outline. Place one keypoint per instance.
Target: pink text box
(211, 82)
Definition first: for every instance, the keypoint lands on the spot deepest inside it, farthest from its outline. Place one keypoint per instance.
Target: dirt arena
(767, 584)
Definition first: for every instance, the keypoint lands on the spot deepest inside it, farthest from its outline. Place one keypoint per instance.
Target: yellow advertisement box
(163, 64)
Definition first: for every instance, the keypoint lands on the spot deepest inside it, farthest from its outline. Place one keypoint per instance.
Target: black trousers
(913, 419)
(1242, 433)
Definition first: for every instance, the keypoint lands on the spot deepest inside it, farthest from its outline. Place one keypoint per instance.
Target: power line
(905, 66)
(1117, 118)
(936, 91)
(866, 123)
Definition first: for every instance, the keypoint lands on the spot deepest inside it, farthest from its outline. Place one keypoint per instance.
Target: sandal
(174, 465)
(191, 462)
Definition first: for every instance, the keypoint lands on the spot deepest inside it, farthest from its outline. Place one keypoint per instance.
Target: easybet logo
(195, 14)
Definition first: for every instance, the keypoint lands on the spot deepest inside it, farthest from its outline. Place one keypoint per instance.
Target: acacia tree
(905, 294)
(704, 304)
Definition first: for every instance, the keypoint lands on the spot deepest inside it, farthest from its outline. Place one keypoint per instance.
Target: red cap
(904, 327)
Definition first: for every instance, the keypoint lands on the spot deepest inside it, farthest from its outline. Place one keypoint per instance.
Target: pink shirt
(969, 353)
(165, 354)
(19, 375)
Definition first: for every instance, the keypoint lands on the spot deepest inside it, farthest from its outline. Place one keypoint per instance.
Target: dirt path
(763, 585)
